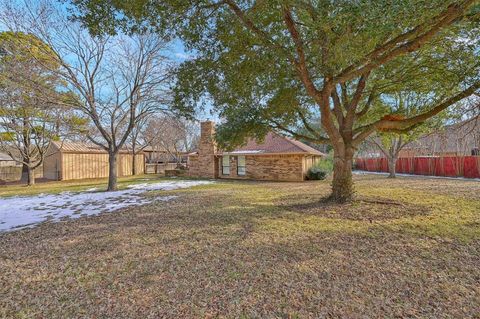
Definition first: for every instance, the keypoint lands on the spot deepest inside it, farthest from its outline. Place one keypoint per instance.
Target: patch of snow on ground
(27, 211)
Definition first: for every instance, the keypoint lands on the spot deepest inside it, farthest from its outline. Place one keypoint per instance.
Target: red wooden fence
(451, 166)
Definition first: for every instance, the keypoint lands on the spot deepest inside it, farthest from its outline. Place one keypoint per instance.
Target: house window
(241, 166)
(226, 165)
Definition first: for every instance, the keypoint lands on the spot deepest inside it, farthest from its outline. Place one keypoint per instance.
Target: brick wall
(267, 167)
(204, 164)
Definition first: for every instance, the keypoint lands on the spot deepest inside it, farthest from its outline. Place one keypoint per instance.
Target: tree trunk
(24, 176)
(392, 162)
(342, 185)
(28, 175)
(31, 176)
(112, 171)
(134, 164)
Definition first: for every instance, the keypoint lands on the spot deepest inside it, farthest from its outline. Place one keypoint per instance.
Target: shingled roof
(275, 144)
(77, 147)
(5, 157)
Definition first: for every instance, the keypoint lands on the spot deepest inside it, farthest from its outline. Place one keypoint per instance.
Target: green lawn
(406, 248)
(73, 185)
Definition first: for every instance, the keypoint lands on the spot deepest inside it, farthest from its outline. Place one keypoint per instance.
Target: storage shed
(68, 160)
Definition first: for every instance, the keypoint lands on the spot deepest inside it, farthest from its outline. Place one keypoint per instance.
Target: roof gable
(77, 147)
(65, 146)
(275, 144)
(5, 157)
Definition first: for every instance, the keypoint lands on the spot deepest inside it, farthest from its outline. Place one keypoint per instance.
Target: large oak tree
(278, 64)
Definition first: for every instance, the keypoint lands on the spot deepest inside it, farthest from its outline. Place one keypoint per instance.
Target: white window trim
(244, 166)
(224, 166)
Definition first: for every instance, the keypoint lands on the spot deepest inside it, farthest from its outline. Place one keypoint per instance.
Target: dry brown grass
(406, 248)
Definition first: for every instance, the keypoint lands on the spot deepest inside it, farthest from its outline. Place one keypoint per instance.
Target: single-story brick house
(277, 158)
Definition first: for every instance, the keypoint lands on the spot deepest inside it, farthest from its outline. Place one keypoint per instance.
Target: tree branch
(322, 98)
(367, 105)
(402, 126)
(252, 27)
(317, 140)
(408, 42)
(337, 107)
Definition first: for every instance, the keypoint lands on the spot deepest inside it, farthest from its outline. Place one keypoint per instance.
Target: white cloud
(183, 56)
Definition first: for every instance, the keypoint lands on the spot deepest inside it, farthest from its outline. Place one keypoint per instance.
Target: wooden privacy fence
(448, 166)
(14, 173)
(159, 168)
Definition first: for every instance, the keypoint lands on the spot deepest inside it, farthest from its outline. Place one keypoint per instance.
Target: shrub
(315, 173)
(321, 169)
(326, 164)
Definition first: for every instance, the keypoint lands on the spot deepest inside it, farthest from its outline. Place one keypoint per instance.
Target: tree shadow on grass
(233, 253)
(211, 259)
(362, 208)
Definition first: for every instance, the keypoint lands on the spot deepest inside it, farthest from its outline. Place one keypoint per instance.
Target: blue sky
(177, 53)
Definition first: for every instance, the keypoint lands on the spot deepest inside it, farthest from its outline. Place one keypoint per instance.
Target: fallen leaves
(254, 250)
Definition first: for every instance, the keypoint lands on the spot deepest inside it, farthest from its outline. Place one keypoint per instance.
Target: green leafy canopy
(251, 64)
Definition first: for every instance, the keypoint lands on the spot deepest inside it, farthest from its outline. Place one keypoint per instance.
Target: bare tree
(118, 81)
(171, 135)
(390, 146)
(138, 141)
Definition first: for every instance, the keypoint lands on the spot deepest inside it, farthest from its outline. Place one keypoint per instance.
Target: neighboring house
(11, 170)
(461, 139)
(69, 160)
(156, 155)
(277, 158)
(7, 160)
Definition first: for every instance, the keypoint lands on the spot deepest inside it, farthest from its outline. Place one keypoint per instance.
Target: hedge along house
(277, 158)
(68, 160)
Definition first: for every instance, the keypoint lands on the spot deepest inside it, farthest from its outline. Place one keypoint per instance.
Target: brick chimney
(206, 164)
(207, 145)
